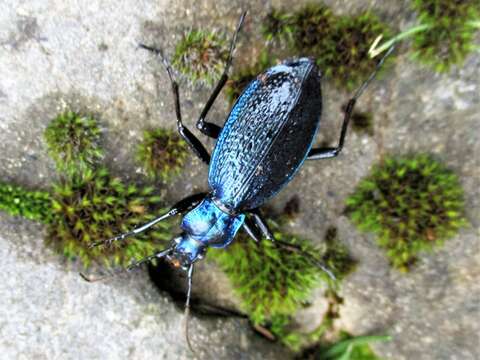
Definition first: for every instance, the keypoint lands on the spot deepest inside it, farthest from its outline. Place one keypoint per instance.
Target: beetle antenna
(130, 267)
(187, 307)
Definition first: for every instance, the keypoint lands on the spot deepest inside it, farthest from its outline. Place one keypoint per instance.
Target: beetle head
(186, 251)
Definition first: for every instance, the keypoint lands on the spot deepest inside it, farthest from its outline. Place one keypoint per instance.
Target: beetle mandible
(266, 138)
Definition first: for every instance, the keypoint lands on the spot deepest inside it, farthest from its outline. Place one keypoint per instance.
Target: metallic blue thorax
(210, 226)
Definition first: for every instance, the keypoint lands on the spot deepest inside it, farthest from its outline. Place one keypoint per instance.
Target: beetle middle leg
(267, 233)
(185, 133)
(207, 128)
(326, 153)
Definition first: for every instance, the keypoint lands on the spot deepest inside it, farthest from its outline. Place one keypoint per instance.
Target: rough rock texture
(47, 311)
(83, 55)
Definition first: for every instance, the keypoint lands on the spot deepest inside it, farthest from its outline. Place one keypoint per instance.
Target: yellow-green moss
(413, 203)
(73, 141)
(339, 44)
(450, 34)
(201, 55)
(162, 154)
(18, 201)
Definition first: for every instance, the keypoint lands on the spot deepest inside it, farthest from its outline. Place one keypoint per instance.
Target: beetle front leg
(183, 205)
(326, 153)
(207, 128)
(186, 134)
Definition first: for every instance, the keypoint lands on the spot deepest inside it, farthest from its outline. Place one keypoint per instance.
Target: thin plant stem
(374, 50)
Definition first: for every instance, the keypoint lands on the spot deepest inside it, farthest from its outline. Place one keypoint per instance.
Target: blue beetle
(262, 145)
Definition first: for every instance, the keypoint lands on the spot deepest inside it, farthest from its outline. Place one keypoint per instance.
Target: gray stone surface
(48, 312)
(82, 55)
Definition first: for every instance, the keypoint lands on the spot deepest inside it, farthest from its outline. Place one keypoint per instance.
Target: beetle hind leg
(326, 153)
(207, 128)
(185, 133)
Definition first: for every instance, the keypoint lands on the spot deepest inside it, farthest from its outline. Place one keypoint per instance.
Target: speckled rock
(83, 55)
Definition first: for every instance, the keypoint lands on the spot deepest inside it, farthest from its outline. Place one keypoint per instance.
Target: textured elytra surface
(267, 135)
(83, 54)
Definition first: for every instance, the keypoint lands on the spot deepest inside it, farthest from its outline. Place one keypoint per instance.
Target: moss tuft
(18, 201)
(270, 281)
(273, 282)
(346, 58)
(162, 154)
(277, 25)
(94, 206)
(450, 34)
(339, 44)
(412, 203)
(73, 142)
(201, 56)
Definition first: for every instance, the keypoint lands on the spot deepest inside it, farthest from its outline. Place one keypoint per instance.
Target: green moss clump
(94, 206)
(271, 281)
(412, 203)
(450, 34)
(277, 25)
(339, 44)
(312, 27)
(33, 205)
(87, 204)
(300, 30)
(162, 154)
(73, 142)
(201, 56)
(241, 78)
(345, 58)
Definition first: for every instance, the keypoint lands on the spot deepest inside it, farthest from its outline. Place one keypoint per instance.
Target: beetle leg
(185, 133)
(157, 255)
(207, 128)
(251, 229)
(183, 205)
(325, 153)
(262, 224)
